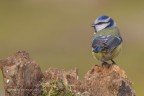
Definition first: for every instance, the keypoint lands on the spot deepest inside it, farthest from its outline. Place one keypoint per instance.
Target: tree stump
(108, 81)
(23, 77)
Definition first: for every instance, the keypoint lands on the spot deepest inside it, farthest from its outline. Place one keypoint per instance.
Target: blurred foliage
(57, 33)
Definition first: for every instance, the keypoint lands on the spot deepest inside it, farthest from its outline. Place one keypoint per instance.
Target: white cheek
(102, 26)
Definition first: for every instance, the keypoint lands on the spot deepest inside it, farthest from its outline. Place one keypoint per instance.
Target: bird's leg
(113, 62)
(104, 63)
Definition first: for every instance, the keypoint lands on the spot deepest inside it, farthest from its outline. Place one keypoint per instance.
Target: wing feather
(105, 43)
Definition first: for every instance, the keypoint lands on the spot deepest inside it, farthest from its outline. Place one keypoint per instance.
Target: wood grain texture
(21, 75)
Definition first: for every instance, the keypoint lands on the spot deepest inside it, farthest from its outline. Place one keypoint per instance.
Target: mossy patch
(56, 88)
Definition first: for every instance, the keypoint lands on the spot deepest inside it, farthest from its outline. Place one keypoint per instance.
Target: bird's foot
(104, 63)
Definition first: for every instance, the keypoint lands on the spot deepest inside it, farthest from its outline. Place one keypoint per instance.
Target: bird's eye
(100, 23)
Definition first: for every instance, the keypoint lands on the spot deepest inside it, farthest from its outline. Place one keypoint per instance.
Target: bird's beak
(92, 25)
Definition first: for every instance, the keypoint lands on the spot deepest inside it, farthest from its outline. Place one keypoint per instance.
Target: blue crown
(103, 17)
(103, 22)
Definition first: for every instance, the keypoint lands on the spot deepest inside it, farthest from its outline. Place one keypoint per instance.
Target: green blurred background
(57, 33)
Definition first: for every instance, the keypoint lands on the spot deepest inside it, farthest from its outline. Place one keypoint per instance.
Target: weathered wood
(60, 82)
(108, 81)
(23, 77)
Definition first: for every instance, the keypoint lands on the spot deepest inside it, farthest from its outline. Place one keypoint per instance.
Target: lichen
(56, 88)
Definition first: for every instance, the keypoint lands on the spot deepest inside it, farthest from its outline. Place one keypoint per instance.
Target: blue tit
(107, 41)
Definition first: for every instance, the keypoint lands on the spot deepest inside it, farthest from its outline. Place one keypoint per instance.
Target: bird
(106, 41)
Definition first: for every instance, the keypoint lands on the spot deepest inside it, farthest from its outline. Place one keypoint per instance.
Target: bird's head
(103, 22)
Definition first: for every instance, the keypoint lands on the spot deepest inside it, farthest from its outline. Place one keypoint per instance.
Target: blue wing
(105, 43)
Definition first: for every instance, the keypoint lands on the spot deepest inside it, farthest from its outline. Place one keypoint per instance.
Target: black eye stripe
(93, 25)
(101, 23)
